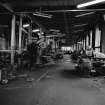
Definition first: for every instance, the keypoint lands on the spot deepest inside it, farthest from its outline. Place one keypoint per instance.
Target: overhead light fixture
(36, 30)
(85, 14)
(26, 25)
(42, 15)
(90, 3)
(79, 25)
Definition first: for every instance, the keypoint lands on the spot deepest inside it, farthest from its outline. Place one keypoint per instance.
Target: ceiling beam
(76, 31)
(80, 25)
(57, 11)
(7, 7)
(85, 14)
(74, 10)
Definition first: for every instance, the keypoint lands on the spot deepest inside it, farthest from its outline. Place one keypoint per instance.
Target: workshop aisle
(60, 86)
(66, 58)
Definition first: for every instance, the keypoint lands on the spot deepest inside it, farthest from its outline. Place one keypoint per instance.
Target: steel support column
(13, 39)
(20, 35)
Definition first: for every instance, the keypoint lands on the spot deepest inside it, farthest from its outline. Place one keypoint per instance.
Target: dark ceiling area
(65, 16)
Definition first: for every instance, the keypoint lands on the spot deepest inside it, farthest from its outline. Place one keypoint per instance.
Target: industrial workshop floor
(56, 84)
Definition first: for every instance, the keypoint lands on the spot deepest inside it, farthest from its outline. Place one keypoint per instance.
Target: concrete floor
(60, 86)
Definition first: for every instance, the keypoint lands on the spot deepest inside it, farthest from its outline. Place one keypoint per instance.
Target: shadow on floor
(72, 74)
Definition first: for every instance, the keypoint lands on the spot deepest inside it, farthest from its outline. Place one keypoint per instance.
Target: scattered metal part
(30, 79)
(22, 75)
